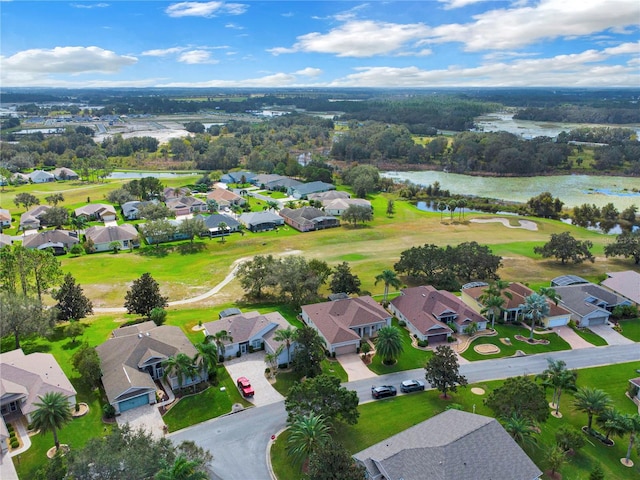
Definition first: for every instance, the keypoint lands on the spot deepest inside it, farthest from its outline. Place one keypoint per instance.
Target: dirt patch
(52, 451)
(83, 409)
(477, 391)
(486, 349)
(533, 341)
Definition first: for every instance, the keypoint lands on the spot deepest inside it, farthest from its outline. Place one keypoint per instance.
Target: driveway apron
(146, 417)
(610, 335)
(252, 366)
(355, 367)
(574, 340)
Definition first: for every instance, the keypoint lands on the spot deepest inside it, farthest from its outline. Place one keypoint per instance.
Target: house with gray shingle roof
(337, 206)
(64, 173)
(60, 241)
(343, 323)
(261, 221)
(589, 304)
(24, 379)
(238, 177)
(186, 205)
(430, 313)
(31, 220)
(308, 219)
(103, 238)
(301, 191)
(132, 361)
(453, 445)
(330, 195)
(282, 184)
(625, 283)
(5, 240)
(251, 331)
(212, 222)
(40, 176)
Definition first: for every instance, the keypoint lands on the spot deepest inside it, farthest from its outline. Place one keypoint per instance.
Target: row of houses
(294, 188)
(41, 176)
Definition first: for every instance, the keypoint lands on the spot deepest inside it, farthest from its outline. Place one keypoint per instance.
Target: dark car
(383, 391)
(411, 386)
(245, 387)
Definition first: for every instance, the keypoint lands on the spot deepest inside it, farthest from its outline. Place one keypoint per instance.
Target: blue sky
(307, 43)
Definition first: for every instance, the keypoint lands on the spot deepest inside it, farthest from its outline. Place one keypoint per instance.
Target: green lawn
(410, 359)
(381, 419)
(205, 405)
(286, 379)
(590, 337)
(509, 331)
(631, 329)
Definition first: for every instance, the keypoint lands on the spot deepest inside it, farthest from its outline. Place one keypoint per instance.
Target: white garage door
(557, 322)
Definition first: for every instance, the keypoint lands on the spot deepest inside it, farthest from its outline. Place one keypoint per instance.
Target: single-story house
(262, 179)
(589, 304)
(96, 211)
(40, 176)
(283, 184)
(132, 361)
(20, 178)
(451, 445)
(238, 177)
(307, 219)
(31, 220)
(225, 198)
(103, 237)
(174, 237)
(625, 283)
(5, 240)
(343, 323)
(432, 314)
(60, 241)
(186, 205)
(251, 331)
(131, 210)
(300, 192)
(261, 221)
(337, 206)
(514, 298)
(169, 193)
(330, 195)
(24, 379)
(65, 173)
(213, 222)
(634, 391)
(5, 217)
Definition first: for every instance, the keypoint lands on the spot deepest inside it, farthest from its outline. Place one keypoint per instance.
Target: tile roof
(518, 292)
(453, 445)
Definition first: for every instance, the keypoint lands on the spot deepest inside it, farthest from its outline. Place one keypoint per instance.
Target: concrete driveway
(252, 366)
(355, 367)
(574, 340)
(146, 417)
(610, 335)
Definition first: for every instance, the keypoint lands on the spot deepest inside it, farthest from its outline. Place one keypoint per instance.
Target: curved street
(239, 442)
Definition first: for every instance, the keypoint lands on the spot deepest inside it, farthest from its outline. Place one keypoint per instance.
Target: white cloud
(195, 57)
(90, 5)
(364, 38)
(234, 26)
(268, 81)
(450, 4)
(205, 9)
(66, 60)
(510, 28)
(624, 48)
(162, 52)
(309, 72)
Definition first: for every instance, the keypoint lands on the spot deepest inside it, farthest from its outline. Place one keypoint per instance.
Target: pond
(121, 175)
(571, 189)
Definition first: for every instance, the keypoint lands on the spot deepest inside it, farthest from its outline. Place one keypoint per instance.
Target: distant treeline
(619, 114)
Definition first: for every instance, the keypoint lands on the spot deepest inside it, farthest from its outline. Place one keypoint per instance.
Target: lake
(571, 189)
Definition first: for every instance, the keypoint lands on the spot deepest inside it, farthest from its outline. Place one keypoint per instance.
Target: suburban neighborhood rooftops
(109, 234)
(49, 237)
(564, 280)
(625, 283)
(330, 195)
(244, 326)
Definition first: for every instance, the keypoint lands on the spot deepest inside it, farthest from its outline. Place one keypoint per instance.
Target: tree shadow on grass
(155, 251)
(189, 248)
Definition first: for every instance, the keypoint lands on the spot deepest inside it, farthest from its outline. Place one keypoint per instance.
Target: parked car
(383, 391)
(411, 386)
(245, 387)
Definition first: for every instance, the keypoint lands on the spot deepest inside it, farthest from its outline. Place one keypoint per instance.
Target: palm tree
(273, 205)
(452, 207)
(389, 278)
(181, 366)
(78, 223)
(223, 227)
(182, 469)
(591, 401)
(521, 429)
(306, 434)
(493, 299)
(535, 308)
(285, 335)
(51, 414)
(612, 422)
(556, 457)
(207, 359)
(219, 339)
(442, 206)
(389, 344)
(558, 377)
(461, 204)
(551, 294)
(632, 426)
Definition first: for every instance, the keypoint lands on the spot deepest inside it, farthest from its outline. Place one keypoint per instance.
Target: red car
(245, 387)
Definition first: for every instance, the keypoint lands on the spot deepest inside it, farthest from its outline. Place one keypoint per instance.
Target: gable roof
(49, 238)
(306, 215)
(453, 445)
(122, 355)
(330, 195)
(31, 376)
(33, 216)
(312, 187)
(184, 202)
(518, 293)
(423, 306)
(95, 209)
(585, 298)
(41, 174)
(64, 173)
(213, 221)
(5, 240)
(110, 234)
(223, 195)
(625, 283)
(170, 192)
(236, 177)
(245, 326)
(344, 203)
(336, 319)
(256, 218)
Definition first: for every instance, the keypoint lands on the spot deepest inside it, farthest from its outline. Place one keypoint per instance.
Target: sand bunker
(477, 391)
(526, 224)
(486, 349)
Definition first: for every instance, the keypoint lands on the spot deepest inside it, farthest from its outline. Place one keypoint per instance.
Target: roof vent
(148, 334)
(139, 335)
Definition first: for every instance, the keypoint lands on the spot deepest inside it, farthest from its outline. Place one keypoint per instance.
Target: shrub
(76, 250)
(15, 444)
(238, 354)
(402, 323)
(108, 410)
(267, 371)
(158, 315)
(77, 407)
(451, 339)
(12, 435)
(30, 426)
(423, 343)
(10, 427)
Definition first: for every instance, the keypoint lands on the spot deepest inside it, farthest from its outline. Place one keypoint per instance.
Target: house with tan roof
(186, 205)
(330, 195)
(64, 173)
(103, 238)
(625, 283)
(251, 331)
(308, 219)
(514, 298)
(453, 445)
(169, 192)
(132, 362)
(337, 206)
(344, 323)
(96, 211)
(225, 198)
(5, 217)
(30, 220)
(60, 241)
(433, 315)
(24, 379)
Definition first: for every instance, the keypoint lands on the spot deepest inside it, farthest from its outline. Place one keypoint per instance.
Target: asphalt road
(238, 442)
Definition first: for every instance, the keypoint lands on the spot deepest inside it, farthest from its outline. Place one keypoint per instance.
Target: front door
(243, 348)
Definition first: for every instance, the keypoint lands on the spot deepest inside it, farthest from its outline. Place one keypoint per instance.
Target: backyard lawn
(381, 419)
(509, 349)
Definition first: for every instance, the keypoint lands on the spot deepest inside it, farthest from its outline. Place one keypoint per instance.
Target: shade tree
(325, 396)
(443, 371)
(343, 280)
(309, 352)
(626, 245)
(87, 363)
(564, 247)
(144, 295)
(519, 395)
(72, 302)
